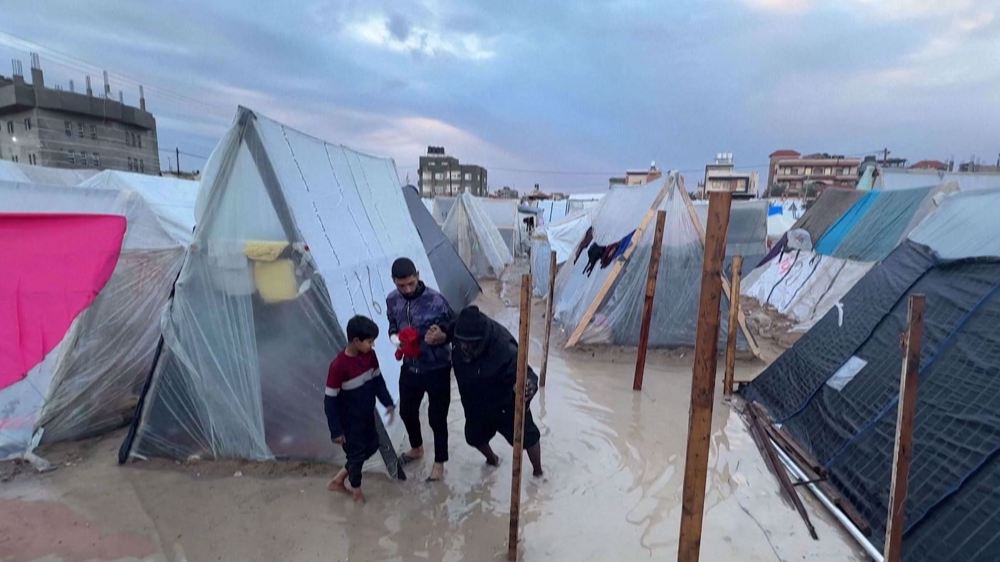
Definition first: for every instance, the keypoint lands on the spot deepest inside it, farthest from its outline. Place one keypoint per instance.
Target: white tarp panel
(563, 236)
(971, 213)
(91, 380)
(23, 173)
(891, 179)
(476, 238)
(172, 199)
(295, 236)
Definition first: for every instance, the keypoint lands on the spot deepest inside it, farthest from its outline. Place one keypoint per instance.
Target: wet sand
(614, 468)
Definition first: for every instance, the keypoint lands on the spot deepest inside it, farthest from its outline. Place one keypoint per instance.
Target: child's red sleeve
(334, 378)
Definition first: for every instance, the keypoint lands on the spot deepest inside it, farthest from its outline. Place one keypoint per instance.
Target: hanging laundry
(588, 237)
(623, 245)
(594, 254)
(609, 254)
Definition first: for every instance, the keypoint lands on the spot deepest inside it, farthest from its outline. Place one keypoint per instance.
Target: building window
(69, 128)
(827, 171)
(31, 159)
(72, 156)
(468, 176)
(130, 163)
(128, 140)
(27, 123)
(10, 128)
(142, 166)
(93, 132)
(79, 131)
(97, 159)
(14, 156)
(438, 176)
(139, 139)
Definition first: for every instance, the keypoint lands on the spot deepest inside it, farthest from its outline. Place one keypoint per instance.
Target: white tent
(172, 199)
(294, 237)
(563, 237)
(476, 238)
(89, 381)
(24, 173)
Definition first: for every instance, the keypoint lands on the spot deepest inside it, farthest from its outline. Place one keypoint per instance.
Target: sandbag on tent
(476, 238)
(86, 377)
(836, 390)
(622, 219)
(562, 237)
(457, 284)
(294, 237)
(172, 199)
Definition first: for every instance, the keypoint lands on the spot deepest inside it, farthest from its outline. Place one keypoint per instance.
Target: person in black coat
(485, 364)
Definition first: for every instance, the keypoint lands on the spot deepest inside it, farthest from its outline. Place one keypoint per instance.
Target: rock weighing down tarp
(476, 238)
(619, 312)
(83, 342)
(836, 390)
(294, 237)
(455, 280)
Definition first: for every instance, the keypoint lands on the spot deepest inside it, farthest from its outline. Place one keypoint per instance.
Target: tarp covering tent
(442, 206)
(891, 179)
(505, 216)
(43, 175)
(747, 234)
(172, 199)
(563, 237)
(294, 237)
(476, 238)
(803, 285)
(826, 210)
(86, 340)
(455, 280)
(836, 390)
(554, 210)
(619, 295)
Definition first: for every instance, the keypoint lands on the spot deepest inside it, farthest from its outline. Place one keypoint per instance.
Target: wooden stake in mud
(703, 377)
(548, 318)
(904, 430)
(523, 343)
(647, 309)
(734, 314)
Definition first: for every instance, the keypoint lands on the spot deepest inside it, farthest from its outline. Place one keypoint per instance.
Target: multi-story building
(721, 175)
(637, 177)
(440, 174)
(64, 129)
(793, 175)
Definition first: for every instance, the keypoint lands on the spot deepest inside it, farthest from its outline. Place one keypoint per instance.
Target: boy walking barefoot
(353, 383)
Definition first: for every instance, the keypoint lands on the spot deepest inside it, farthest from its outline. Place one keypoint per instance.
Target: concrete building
(637, 177)
(507, 192)
(721, 175)
(792, 174)
(60, 128)
(440, 174)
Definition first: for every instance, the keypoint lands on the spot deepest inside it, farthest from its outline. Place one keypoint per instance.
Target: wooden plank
(703, 379)
(548, 318)
(734, 311)
(647, 308)
(616, 268)
(903, 452)
(740, 317)
(523, 343)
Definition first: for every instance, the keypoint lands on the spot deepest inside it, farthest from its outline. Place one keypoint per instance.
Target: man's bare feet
(335, 486)
(437, 472)
(413, 454)
(358, 496)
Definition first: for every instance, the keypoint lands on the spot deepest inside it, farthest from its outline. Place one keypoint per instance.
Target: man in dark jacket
(485, 365)
(423, 314)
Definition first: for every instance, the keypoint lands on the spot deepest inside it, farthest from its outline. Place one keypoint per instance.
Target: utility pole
(178, 151)
(885, 156)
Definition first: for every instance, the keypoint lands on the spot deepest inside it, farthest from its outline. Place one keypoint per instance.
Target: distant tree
(812, 190)
(777, 190)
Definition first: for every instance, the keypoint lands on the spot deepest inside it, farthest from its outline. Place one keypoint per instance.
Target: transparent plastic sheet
(476, 238)
(455, 280)
(540, 265)
(171, 199)
(24, 173)
(892, 179)
(245, 355)
(504, 215)
(90, 382)
(442, 207)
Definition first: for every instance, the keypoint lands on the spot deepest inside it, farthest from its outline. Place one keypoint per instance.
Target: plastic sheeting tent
(89, 380)
(892, 179)
(172, 199)
(476, 238)
(455, 280)
(294, 237)
(836, 390)
(562, 237)
(619, 311)
(43, 175)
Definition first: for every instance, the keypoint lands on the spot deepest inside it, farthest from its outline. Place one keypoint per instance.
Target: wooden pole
(904, 430)
(734, 314)
(522, 372)
(703, 378)
(548, 318)
(647, 309)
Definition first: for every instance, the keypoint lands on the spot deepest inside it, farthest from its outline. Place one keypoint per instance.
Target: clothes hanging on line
(588, 237)
(594, 254)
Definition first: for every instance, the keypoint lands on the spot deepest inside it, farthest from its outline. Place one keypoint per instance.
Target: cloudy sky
(561, 94)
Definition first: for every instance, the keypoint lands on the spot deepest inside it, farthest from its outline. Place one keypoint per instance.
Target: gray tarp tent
(455, 281)
(294, 236)
(836, 390)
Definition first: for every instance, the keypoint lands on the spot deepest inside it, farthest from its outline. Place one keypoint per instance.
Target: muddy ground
(614, 468)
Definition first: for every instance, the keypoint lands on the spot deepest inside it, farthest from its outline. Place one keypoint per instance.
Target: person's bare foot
(437, 473)
(413, 454)
(358, 496)
(337, 486)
